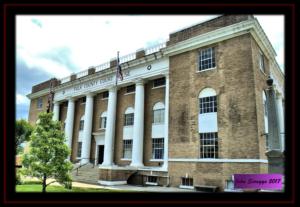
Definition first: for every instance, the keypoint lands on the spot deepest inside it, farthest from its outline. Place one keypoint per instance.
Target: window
(207, 59)
(152, 179)
(81, 125)
(261, 61)
(209, 145)
(158, 116)
(129, 119)
(158, 148)
(186, 181)
(105, 95)
(79, 147)
(127, 149)
(158, 113)
(130, 89)
(159, 82)
(40, 103)
(208, 104)
(102, 122)
(103, 119)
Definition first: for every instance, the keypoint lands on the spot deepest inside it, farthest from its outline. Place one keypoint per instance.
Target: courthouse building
(189, 112)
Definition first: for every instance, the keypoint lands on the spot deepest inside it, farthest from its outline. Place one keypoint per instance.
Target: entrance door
(100, 153)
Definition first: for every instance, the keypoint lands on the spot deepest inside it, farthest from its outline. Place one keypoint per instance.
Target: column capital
(139, 81)
(90, 94)
(112, 88)
(70, 98)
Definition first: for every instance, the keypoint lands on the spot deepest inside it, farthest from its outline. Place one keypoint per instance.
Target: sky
(56, 46)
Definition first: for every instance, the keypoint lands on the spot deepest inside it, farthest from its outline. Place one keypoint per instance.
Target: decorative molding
(218, 160)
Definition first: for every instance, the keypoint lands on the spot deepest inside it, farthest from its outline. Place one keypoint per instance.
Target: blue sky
(56, 46)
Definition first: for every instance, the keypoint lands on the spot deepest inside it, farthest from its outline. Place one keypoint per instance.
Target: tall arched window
(208, 123)
(103, 119)
(158, 113)
(129, 117)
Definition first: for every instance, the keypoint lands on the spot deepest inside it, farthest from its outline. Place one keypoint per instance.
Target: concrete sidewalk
(121, 187)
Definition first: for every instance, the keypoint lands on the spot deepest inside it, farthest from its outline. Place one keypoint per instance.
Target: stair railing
(81, 165)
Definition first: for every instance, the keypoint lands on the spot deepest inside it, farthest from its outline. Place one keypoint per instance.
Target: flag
(119, 69)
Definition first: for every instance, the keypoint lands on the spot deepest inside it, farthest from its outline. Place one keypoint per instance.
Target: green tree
(48, 155)
(22, 132)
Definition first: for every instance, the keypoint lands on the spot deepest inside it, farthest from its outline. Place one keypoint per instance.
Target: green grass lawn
(52, 188)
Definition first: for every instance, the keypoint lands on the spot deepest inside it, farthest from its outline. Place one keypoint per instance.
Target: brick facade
(238, 82)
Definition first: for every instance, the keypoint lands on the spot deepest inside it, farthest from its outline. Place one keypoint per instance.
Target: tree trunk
(44, 183)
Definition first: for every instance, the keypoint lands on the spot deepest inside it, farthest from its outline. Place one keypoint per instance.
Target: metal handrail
(81, 165)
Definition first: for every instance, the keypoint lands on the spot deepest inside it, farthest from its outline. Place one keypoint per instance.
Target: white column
(166, 132)
(110, 127)
(70, 122)
(55, 112)
(281, 120)
(138, 126)
(87, 129)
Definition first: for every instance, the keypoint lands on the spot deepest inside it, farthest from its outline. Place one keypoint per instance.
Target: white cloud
(21, 99)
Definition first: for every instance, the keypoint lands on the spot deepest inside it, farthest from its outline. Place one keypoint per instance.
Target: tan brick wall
(236, 108)
(260, 85)
(123, 102)
(152, 96)
(34, 111)
(207, 26)
(79, 112)
(100, 106)
(211, 173)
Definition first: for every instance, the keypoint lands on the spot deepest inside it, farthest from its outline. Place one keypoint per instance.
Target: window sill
(186, 187)
(159, 87)
(129, 93)
(209, 69)
(160, 123)
(156, 160)
(104, 98)
(125, 159)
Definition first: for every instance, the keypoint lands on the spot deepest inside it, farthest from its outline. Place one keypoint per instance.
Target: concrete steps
(86, 174)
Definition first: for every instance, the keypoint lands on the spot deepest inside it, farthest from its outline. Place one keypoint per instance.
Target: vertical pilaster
(166, 132)
(87, 129)
(110, 127)
(70, 121)
(138, 125)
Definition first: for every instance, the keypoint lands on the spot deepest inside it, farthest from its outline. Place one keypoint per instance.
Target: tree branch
(51, 182)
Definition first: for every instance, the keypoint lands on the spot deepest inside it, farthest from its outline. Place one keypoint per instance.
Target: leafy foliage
(23, 131)
(48, 155)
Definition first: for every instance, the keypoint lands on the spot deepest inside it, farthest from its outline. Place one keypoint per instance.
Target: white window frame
(103, 120)
(81, 121)
(130, 92)
(158, 148)
(127, 156)
(150, 181)
(211, 58)
(210, 137)
(104, 98)
(40, 103)
(262, 65)
(79, 149)
(190, 183)
(159, 86)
